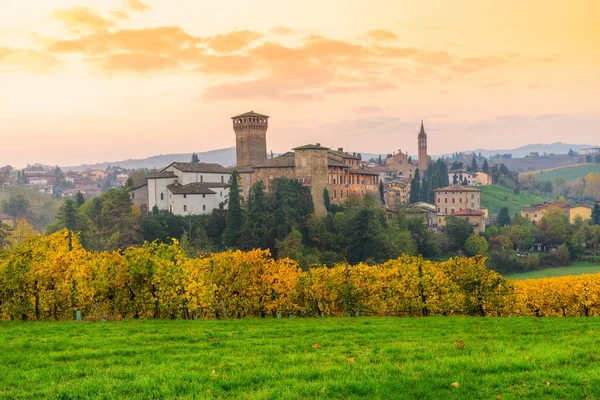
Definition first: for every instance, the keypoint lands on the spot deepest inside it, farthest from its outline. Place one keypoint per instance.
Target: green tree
(563, 254)
(596, 214)
(503, 218)
(17, 206)
(256, 221)
(195, 158)
(415, 188)
(381, 192)
(129, 183)
(233, 229)
(455, 179)
(476, 245)
(326, 199)
(79, 199)
(474, 165)
(485, 168)
(425, 240)
(291, 246)
(67, 215)
(458, 230)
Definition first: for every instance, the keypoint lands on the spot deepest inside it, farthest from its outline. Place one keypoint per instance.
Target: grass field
(336, 358)
(494, 197)
(568, 173)
(578, 268)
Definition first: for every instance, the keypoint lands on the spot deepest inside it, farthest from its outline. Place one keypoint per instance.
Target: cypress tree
(486, 167)
(474, 165)
(195, 158)
(596, 214)
(326, 199)
(415, 188)
(79, 199)
(67, 215)
(256, 223)
(233, 228)
(381, 192)
(503, 218)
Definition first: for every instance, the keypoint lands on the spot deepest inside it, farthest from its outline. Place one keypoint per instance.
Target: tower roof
(422, 131)
(250, 114)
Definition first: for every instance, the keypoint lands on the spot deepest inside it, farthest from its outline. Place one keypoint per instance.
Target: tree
(326, 199)
(233, 229)
(67, 215)
(563, 254)
(195, 158)
(380, 161)
(381, 192)
(476, 245)
(474, 165)
(291, 246)
(597, 158)
(485, 168)
(17, 206)
(458, 230)
(455, 179)
(503, 218)
(596, 214)
(415, 188)
(129, 183)
(256, 223)
(359, 156)
(571, 153)
(79, 199)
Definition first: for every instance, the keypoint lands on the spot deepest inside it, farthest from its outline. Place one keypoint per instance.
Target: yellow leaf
(323, 390)
(455, 384)
(316, 346)
(213, 373)
(548, 383)
(351, 360)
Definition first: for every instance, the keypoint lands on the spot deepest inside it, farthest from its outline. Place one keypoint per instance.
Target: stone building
(572, 211)
(313, 165)
(461, 201)
(400, 163)
(423, 158)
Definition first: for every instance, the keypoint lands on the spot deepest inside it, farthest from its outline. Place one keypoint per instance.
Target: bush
(505, 262)
(563, 254)
(532, 261)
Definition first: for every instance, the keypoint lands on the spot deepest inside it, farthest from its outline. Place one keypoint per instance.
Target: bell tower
(422, 143)
(250, 138)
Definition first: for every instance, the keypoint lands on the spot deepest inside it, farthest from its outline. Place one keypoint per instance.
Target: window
(132, 195)
(453, 200)
(446, 210)
(446, 200)
(203, 196)
(204, 207)
(222, 179)
(184, 208)
(452, 211)
(335, 193)
(439, 209)
(221, 194)
(460, 200)
(162, 196)
(185, 196)
(201, 178)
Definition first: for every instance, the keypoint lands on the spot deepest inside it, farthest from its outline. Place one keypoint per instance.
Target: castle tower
(422, 139)
(250, 138)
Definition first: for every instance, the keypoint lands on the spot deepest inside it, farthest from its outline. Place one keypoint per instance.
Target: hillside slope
(494, 197)
(568, 173)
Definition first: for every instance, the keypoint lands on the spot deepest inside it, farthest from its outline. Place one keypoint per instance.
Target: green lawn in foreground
(578, 268)
(393, 358)
(494, 197)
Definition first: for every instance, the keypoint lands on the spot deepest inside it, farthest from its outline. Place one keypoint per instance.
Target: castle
(315, 166)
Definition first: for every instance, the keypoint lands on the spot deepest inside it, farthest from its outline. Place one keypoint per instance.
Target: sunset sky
(104, 80)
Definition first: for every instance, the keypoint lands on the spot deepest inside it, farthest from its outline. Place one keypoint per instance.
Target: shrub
(563, 254)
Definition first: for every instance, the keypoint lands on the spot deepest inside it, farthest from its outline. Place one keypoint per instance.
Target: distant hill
(224, 157)
(569, 173)
(519, 152)
(494, 197)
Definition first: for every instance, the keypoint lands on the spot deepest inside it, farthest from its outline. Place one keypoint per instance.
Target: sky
(106, 80)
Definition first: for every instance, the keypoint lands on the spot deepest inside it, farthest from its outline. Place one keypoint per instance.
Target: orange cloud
(474, 64)
(231, 65)
(136, 5)
(26, 60)
(232, 41)
(282, 30)
(324, 48)
(141, 63)
(436, 58)
(381, 35)
(119, 14)
(81, 19)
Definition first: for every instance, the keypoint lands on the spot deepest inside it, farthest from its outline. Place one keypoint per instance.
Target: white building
(460, 175)
(186, 188)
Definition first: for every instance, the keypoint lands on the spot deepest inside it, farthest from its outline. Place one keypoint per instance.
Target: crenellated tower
(251, 138)
(422, 143)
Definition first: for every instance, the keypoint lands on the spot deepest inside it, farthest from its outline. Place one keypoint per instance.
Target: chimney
(354, 154)
(318, 144)
(341, 149)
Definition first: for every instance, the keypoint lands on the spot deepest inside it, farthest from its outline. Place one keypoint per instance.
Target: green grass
(394, 358)
(494, 197)
(569, 173)
(577, 268)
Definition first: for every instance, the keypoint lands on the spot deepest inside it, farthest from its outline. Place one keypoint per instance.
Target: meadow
(577, 268)
(568, 173)
(329, 358)
(494, 197)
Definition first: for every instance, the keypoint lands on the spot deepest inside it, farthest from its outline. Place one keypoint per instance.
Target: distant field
(331, 358)
(573, 269)
(568, 173)
(494, 197)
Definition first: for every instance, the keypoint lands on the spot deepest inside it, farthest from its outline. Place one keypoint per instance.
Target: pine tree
(381, 193)
(234, 221)
(415, 188)
(486, 167)
(256, 223)
(503, 218)
(596, 214)
(79, 199)
(195, 158)
(67, 215)
(474, 165)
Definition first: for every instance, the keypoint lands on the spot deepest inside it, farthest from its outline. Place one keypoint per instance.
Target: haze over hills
(226, 156)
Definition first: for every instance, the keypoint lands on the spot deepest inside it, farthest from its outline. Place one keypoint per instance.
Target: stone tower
(251, 138)
(422, 139)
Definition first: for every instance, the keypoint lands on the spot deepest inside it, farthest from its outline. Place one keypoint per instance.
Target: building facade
(461, 201)
(572, 211)
(400, 163)
(423, 158)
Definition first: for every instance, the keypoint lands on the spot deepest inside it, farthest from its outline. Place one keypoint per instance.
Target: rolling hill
(494, 197)
(569, 173)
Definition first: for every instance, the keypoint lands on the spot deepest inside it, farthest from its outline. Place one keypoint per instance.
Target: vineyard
(54, 278)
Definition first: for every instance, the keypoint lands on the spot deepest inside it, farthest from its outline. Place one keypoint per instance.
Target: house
(481, 178)
(461, 201)
(397, 194)
(458, 177)
(6, 219)
(139, 197)
(186, 188)
(426, 210)
(535, 212)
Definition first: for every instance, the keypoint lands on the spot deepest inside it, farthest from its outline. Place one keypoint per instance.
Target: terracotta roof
(286, 160)
(343, 154)
(311, 147)
(190, 188)
(200, 167)
(457, 188)
(468, 212)
(363, 171)
(422, 131)
(163, 174)
(250, 114)
(331, 162)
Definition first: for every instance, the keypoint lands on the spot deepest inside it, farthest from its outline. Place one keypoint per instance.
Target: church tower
(250, 138)
(422, 139)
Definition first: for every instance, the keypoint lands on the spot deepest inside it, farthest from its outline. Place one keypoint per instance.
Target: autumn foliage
(54, 277)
